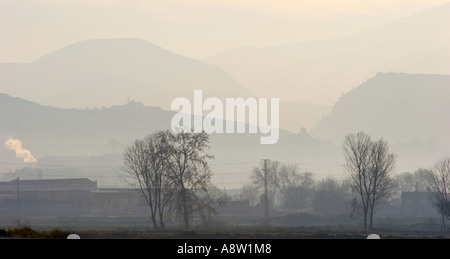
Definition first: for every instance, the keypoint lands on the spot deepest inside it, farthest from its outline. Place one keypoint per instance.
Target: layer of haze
(121, 49)
(197, 29)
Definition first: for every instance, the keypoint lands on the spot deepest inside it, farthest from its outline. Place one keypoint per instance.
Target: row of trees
(410, 182)
(171, 172)
(370, 166)
(291, 190)
(285, 185)
(370, 182)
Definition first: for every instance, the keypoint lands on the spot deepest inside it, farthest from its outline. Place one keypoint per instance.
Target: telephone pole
(266, 196)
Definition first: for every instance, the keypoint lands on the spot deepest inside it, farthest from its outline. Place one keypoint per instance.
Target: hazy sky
(194, 28)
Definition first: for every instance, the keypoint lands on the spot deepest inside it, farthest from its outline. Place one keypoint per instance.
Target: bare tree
(405, 182)
(146, 165)
(357, 155)
(170, 170)
(439, 180)
(206, 203)
(258, 179)
(422, 179)
(382, 166)
(294, 188)
(331, 197)
(369, 166)
(159, 149)
(189, 170)
(409, 182)
(251, 194)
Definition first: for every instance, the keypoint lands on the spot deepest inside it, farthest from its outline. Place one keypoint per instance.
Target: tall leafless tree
(294, 188)
(369, 166)
(439, 183)
(159, 149)
(206, 203)
(189, 170)
(356, 151)
(331, 197)
(250, 193)
(146, 164)
(382, 166)
(259, 180)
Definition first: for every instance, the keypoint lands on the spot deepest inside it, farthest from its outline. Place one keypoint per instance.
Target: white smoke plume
(16, 145)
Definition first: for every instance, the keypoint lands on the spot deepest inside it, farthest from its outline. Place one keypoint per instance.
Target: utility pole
(266, 196)
(18, 198)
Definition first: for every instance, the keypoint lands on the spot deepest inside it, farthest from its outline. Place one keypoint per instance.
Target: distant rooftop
(51, 181)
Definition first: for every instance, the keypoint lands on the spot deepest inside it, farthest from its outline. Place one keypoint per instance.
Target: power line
(234, 163)
(219, 164)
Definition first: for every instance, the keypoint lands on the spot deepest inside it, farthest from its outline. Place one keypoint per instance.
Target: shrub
(28, 232)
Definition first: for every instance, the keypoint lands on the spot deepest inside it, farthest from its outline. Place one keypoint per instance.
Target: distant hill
(49, 131)
(106, 72)
(321, 71)
(54, 131)
(70, 142)
(102, 73)
(410, 111)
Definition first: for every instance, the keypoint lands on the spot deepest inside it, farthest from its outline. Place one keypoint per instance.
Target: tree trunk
(161, 223)
(185, 210)
(365, 221)
(149, 198)
(154, 221)
(161, 218)
(371, 219)
(443, 222)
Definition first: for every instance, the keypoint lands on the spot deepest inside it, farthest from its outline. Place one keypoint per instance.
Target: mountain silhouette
(107, 72)
(410, 111)
(50, 131)
(55, 131)
(320, 71)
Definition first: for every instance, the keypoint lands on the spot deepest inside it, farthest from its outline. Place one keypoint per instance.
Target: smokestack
(16, 145)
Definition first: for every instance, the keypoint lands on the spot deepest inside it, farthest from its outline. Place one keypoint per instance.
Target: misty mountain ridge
(407, 110)
(410, 111)
(53, 131)
(320, 71)
(106, 72)
(67, 137)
